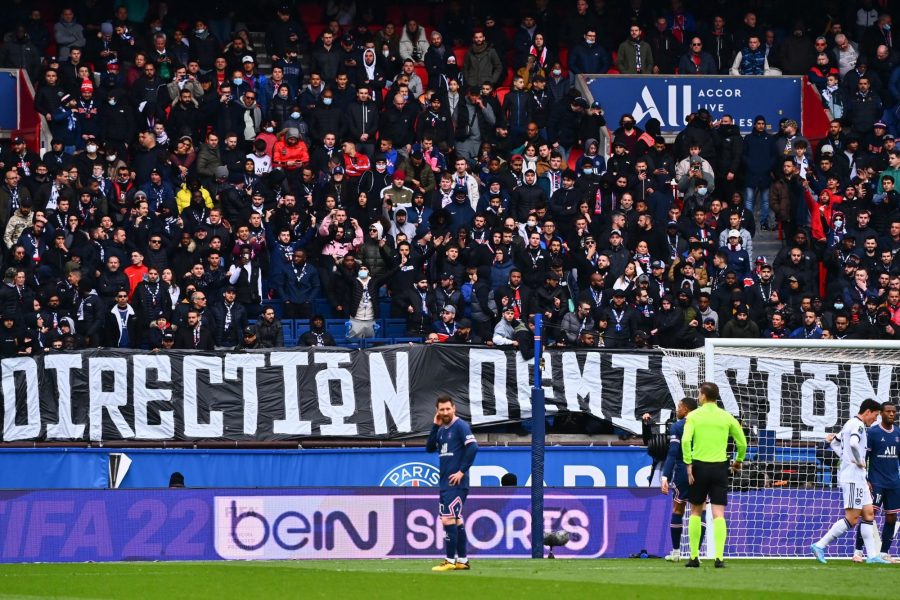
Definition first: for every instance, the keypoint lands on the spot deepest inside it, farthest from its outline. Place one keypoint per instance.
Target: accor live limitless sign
(671, 99)
(389, 392)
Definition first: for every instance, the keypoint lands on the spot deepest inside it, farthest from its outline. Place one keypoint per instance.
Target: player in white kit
(851, 444)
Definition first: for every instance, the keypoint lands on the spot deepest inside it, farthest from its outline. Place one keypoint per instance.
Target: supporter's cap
(229, 288)
(619, 143)
(247, 58)
(596, 104)
(284, 9)
(872, 297)
(65, 99)
(86, 86)
(643, 277)
(417, 155)
(249, 330)
(106, 28)
(672, 224)
(464, 323)
(221, 172)
(112, 66)
(761, 260)
(880, 124)
(743, 308)
(347, 39)
(18, 140)
(140, 195)
(734, 233)
(793, 278)
(615, 232)
(168, 337)
(765, 267)
(337, 171)
(827, 149)
(155, 171)
(509, 308)
(579, 101)
(657, 264)
(450, 309)
(517, 157)
(446, 275)
(853, 260)
(399, 174)
(696, 160)
(709, 320)
(887, 137)
(460, 189)
(619, 293)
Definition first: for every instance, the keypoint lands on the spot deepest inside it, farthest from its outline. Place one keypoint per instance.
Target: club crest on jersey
(413, 474)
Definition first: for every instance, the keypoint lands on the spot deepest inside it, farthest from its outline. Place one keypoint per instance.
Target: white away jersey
(851, 472)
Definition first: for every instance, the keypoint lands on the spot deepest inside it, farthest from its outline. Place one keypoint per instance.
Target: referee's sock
(720, 534)
(695, 529)
(867, 529)
(676, 527)
(452, 541)
(887, 536)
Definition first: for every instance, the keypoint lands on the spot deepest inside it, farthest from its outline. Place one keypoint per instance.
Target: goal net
(788, 394)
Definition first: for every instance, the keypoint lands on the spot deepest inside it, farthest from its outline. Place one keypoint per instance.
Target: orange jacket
(297, 155)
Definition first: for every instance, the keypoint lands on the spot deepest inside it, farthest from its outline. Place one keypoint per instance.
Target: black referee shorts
(710, 481)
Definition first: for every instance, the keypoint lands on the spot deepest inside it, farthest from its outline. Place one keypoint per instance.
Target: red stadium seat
(507, 81)
(574, 155)
(310, 13)
(460, 54)
(315, 31)
(564, 59)
(501, 94)
(422, 72)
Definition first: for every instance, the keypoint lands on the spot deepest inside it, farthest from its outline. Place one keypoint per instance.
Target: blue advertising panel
(375, 523)
(573, 466)
(671, 98)
(9, 99)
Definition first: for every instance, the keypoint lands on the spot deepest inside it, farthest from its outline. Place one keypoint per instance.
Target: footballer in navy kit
(884, 477)
(452, 438)
(674, 475)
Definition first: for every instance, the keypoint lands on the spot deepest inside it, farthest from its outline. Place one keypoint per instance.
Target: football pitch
(495, 579)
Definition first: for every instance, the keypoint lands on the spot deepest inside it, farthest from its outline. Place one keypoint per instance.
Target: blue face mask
(326, 101)
(295, 115)
(701, 191)
(587, 171)
(237, 81)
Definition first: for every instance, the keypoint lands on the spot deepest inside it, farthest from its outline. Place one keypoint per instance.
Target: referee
(705, 449)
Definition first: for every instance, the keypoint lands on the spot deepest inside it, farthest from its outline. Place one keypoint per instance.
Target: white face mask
(111, 158)
(532, 223)
(91, 148)
(363, 274)
(270, 129)
(296, 115)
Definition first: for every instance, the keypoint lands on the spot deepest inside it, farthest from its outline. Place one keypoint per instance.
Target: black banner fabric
(388, 392)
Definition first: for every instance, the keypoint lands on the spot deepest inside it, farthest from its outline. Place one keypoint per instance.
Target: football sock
(695, 532)
(461, 541)
(675, 528)
(859, 540)
(867, 529)
(452, 541)
(720, 533)
(887, 536)
(839, 528)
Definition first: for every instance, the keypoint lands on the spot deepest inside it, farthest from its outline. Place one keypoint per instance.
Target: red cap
(87, 86)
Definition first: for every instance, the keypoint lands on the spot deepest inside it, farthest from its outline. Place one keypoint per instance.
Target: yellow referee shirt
(706, 433)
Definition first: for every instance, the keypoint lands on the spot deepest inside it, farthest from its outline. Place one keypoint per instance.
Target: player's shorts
(856, 495)
(710, 480)
(680, 489)
(888, 499)
(452, 501)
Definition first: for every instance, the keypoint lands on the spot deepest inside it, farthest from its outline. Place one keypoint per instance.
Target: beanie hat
(87, 86)
(399, 174)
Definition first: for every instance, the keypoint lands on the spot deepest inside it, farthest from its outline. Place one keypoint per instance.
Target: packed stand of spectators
(451, 171)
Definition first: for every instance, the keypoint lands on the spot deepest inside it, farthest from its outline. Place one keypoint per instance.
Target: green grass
(494, 579)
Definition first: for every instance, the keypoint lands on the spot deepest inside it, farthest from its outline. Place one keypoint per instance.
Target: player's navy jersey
(452, 441)
(674, 469)
(883, 451)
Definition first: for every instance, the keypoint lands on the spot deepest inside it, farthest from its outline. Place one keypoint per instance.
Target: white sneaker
(674, 555)
(858, 556)
(890, 558)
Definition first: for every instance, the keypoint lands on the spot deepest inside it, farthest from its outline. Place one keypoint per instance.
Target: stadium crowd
(448, 173)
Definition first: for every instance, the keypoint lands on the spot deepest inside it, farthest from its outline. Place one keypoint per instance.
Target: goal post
(788, 395)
